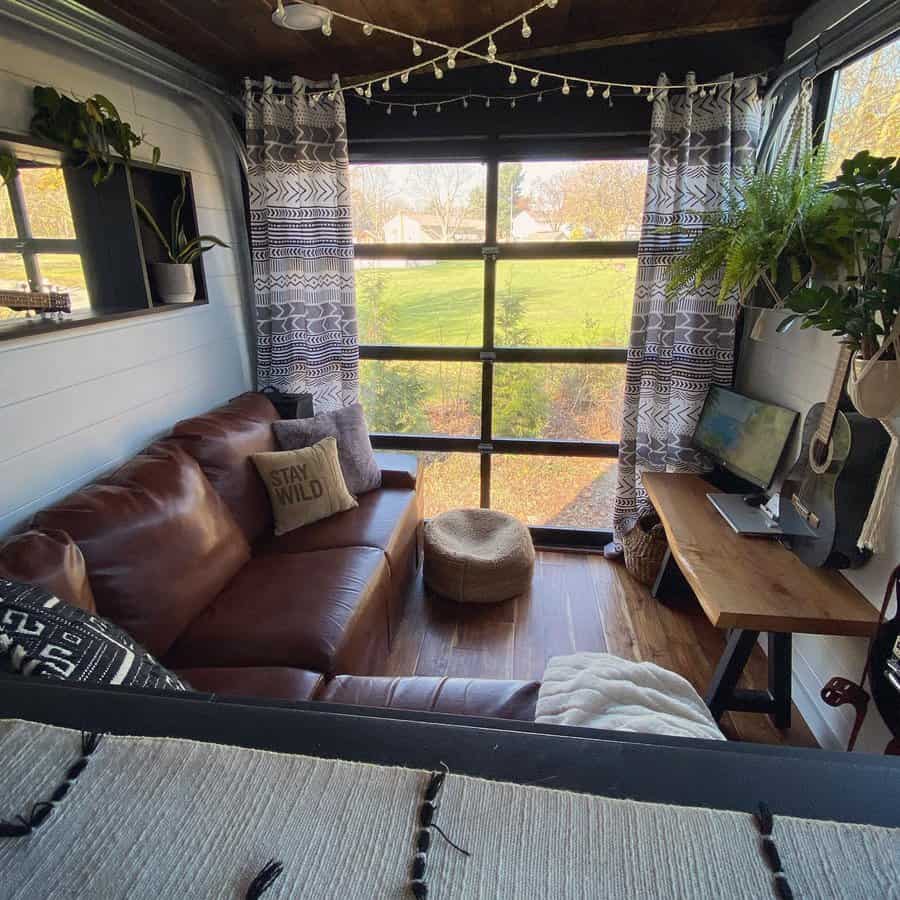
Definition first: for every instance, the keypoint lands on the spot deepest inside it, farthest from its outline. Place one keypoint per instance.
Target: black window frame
(491, 251)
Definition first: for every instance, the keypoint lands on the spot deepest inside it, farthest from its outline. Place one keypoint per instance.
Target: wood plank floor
(577, 602)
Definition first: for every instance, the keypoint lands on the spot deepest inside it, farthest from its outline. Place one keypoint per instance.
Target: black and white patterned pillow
(43, 635)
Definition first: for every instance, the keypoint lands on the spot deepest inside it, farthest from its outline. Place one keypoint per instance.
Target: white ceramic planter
(173, 282)
(874, 387)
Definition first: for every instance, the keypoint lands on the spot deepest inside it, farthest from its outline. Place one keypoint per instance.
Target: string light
(540, 98)
(415, 111)
(437, 108)
(449, 54)
(465, 103)
(512, 103)
(438, 72)
(390, 109)
(487, 103)
(650, 95)
(386, 85)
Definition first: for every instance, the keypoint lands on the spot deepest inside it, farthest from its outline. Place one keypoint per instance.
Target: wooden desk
(751, 585)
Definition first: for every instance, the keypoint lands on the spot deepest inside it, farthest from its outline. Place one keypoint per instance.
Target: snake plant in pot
(173, 280)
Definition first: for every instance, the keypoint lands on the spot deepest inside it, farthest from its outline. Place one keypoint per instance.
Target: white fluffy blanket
(599, 690)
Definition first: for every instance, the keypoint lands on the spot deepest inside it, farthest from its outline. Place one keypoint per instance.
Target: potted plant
(92, 130)
(174, 280)
(862, 305)
(773, 233)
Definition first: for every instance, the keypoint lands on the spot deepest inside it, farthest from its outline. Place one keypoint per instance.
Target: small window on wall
(865, 113)
(38, 246)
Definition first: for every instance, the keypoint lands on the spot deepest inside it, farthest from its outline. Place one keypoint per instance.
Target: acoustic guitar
(831, 485)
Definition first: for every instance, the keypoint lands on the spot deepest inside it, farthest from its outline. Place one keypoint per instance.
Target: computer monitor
(745, 436)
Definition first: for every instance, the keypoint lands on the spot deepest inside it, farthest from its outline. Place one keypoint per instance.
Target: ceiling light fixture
(300, 16)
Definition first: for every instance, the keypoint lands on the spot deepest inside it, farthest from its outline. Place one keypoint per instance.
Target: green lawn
(441, 303)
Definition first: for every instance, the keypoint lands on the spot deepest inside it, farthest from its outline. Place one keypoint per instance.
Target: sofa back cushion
(222, 441)
(51, 560)
(158, 541)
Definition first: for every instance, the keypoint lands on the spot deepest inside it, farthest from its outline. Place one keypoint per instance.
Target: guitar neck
(826, 423)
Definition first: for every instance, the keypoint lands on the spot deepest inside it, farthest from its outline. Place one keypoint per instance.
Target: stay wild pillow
(305, 485)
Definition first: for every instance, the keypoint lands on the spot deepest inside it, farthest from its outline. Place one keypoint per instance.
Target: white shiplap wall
(795, 370)
(74, 405)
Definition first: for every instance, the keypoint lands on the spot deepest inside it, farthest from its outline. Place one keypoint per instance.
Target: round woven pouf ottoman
(477, 556)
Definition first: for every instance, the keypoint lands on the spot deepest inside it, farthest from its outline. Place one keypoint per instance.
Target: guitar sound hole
(819, 455)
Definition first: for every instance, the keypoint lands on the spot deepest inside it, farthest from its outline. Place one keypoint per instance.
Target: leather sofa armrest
(399, 470)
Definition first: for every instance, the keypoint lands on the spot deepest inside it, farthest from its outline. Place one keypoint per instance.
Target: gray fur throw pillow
(348, 427)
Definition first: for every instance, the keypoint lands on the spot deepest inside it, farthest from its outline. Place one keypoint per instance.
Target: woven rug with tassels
(161, 818)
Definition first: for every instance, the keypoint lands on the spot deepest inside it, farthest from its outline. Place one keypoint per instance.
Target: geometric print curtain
(679, 347)
(301, 239)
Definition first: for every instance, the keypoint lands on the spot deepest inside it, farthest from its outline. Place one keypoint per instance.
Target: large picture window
(494, 304)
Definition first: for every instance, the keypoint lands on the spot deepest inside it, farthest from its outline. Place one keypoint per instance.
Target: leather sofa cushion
(384, 519)
(399, 470)
(158, 542)
(275, 682)
(222, 441)
(458, 696)
(52, 560)
(325, 610)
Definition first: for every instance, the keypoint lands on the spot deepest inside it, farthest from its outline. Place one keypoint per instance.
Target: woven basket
(645, 546)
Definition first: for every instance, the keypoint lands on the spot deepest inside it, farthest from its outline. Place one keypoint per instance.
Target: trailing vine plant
(8, 167)
(92, 130)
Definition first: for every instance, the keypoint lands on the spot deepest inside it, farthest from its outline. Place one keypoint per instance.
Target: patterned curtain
(301, 240)
(678, 348)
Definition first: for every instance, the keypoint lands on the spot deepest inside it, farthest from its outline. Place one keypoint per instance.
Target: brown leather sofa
(177, 547)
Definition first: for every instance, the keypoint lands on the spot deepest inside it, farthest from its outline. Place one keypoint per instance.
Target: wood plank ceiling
(236, 37)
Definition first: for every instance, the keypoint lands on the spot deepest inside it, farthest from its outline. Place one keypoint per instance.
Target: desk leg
(737, 651)
(780, 678)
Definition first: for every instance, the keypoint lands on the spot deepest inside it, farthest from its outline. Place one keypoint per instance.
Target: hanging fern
(768, 219)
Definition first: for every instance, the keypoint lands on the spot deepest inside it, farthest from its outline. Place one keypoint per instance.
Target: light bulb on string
(386, 85)
(513, 78)
(368, 91)
(332, 95)
(416, 48)
(368, 28)
(404, 78)
(465, 103)
(415, 111)
(438, 72)
(607, 91)
(389, 109)
(512, 103)
(565, 88)
(326, 27)
(487, 103)
(535, 81)
(491, 48)
(526, 28)
(540, 98)
(359, 90)
(703, 90)
(712, 91)
(650, 95)
(550, 4)
(315, 98)
(590, 90)
(635, 89)
(451, 59)
(437, 108)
